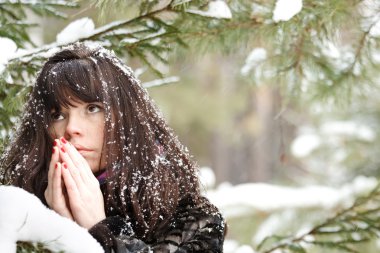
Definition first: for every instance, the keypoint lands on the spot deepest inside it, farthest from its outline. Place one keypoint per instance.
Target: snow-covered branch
(25, 218)
(159, 82)
(244, 199)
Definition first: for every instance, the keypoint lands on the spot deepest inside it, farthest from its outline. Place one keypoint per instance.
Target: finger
(74, 171)
(78, 160)
(73, 152)
(54, 159)
(57, 184)
(71, 188)
(56, 197)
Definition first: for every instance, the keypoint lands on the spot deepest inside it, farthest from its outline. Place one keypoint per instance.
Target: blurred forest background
(276, 92)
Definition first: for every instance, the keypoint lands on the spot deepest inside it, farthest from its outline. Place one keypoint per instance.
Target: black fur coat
(193, 228)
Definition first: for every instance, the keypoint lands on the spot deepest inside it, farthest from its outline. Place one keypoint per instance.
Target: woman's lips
(82, 149)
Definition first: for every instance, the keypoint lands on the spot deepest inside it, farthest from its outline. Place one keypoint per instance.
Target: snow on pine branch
(84, 30)
(76, 30)
(243, 199)
(7, 50)
(35, 2)
(253, 61)
(25, 218)
(216, 9)
(286, 9)
(159, 82)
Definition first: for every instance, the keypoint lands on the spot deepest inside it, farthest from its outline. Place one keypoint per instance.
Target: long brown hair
(148, 170)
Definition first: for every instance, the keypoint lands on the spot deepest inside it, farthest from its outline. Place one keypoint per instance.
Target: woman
(93, 147)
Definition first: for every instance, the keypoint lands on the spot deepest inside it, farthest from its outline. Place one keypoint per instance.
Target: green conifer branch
(354, 225)
(294, 48)
(28, 247)
(13, 14)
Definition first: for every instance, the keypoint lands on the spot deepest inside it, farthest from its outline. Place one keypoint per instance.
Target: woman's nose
(74, 126)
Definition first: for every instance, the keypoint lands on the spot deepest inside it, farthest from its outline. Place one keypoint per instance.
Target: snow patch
(331, 50)
(243, 199)
(304, 144)
(375, 56)
(244, 249)
(375, 30)
(348, 128)
(7, 50)
(272, 224)
(331, 134)
(286, 9)
(216, 9)
(207, 177)
(163, 81)
(22, 217)
(76, 30)
(254, 59)
(231, 246)
(371, 21)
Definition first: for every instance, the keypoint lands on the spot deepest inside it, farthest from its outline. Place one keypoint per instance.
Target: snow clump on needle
(254, 59)
(76, 30)
(216, 9)
(7, 50)
(286, 9)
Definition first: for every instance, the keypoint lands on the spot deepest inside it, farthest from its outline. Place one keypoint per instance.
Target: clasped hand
(73, 191)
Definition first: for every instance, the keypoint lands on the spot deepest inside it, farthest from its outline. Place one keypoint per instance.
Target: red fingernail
(55, 143)
(53, 150)
(63, 140)
(56, 165)
(65, 165)
(63, 150)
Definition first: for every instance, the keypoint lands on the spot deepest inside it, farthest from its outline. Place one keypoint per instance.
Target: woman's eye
(55, 116)
(94, 108)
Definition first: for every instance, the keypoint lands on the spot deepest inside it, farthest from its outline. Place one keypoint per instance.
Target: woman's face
(83, 125)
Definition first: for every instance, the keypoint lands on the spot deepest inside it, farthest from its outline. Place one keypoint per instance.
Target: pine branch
(153, 36)
(354, 225)
(105, 31)
(143, 45)
(13, 13)
(26, 247)
(116, 25)
(361, 45)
